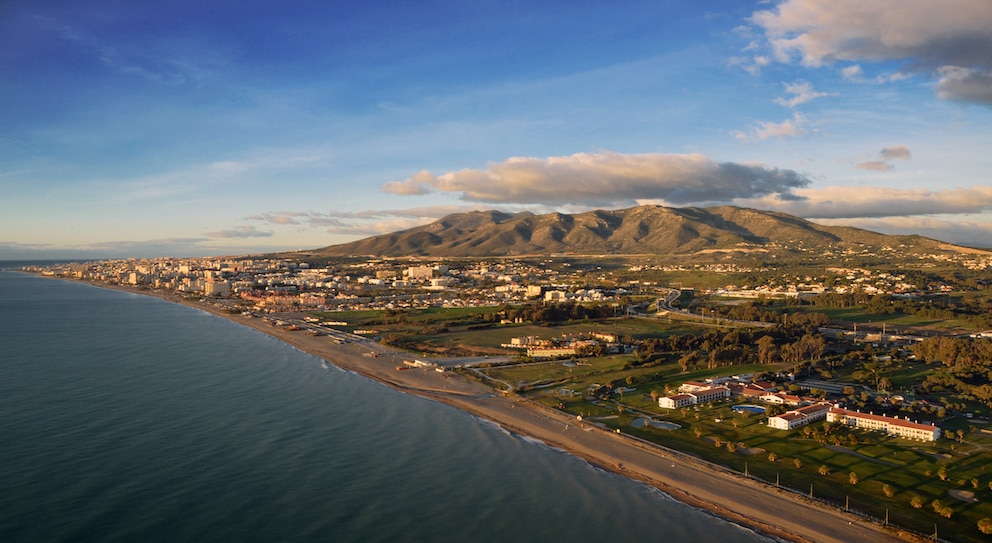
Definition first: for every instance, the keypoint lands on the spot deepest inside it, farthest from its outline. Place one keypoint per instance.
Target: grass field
(860, 314)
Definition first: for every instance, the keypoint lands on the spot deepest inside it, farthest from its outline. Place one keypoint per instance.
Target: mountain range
(642, 230)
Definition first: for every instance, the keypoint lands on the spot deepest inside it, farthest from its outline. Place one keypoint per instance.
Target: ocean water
(127, 418)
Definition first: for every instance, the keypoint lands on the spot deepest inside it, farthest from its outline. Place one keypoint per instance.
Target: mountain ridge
(641, 230)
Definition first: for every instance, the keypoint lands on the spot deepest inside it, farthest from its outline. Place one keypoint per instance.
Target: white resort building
(890, 425)
(799, 417)
(705, 395)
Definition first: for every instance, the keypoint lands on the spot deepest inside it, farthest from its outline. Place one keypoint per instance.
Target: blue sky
(204, 128)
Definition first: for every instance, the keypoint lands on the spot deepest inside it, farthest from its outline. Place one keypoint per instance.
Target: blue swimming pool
(756, 409)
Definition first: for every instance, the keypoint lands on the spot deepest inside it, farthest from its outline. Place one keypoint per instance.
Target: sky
(191, 128)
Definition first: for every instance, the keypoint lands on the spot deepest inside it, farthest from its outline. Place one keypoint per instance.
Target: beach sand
(728, 495)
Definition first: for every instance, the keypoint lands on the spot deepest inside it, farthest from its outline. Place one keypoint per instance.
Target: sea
(128, 418)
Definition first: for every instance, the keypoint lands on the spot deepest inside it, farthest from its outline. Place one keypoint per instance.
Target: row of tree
(964, 366)
(754, 312)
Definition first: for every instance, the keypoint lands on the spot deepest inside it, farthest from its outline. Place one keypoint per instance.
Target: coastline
(746, 502)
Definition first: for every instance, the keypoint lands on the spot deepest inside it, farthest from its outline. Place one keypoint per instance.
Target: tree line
(964, 366)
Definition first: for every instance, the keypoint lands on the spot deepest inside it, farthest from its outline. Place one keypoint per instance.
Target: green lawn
(859, 314)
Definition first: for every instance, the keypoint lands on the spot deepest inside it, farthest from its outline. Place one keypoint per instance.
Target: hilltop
(641, 230)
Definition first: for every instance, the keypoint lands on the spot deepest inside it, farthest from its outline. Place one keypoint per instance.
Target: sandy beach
(747, 502)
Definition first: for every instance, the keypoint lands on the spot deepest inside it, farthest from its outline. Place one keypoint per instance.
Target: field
(893, 321)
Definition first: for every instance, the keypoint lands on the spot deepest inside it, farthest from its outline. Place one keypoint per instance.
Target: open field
(860, 315)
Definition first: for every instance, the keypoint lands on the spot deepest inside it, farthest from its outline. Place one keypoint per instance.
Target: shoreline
(727, 495)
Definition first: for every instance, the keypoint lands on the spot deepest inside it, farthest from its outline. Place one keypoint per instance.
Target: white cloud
(802, 92)
(896, 152)
(951, 37)
(606, 178)
(852, 73)
(875, 165)
(789, 128)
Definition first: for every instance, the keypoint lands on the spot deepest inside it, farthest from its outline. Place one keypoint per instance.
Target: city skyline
(181, 129)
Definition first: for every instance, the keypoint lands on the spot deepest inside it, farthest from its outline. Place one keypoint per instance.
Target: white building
(677, 401)
(550, 352)
(419, 272)
(217, 288)
(694, 398)
(694, 386)
(890, 425)
(799, 417)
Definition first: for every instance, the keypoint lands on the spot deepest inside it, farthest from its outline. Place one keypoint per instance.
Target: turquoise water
(127, 418)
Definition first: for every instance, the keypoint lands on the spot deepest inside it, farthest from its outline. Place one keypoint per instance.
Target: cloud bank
(967, 233)
(607, 178)
(367, 222)
(241, 232)
(875, 202)
(949, 39)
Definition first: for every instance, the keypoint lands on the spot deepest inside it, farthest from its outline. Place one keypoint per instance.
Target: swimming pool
(660, 424)
(756, 409)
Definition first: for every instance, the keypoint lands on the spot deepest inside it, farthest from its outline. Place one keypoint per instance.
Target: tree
(916, 502)
(853, 477)
(688, 360)
(767, 351)
(888, 490)
(942, 473)
(824, 470)
(985, 525)
(941, 509)
(798, 463)
(772, 457)
(884, 383)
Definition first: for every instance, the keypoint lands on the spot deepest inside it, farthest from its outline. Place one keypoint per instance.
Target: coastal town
(280, 284)
(836, 384)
